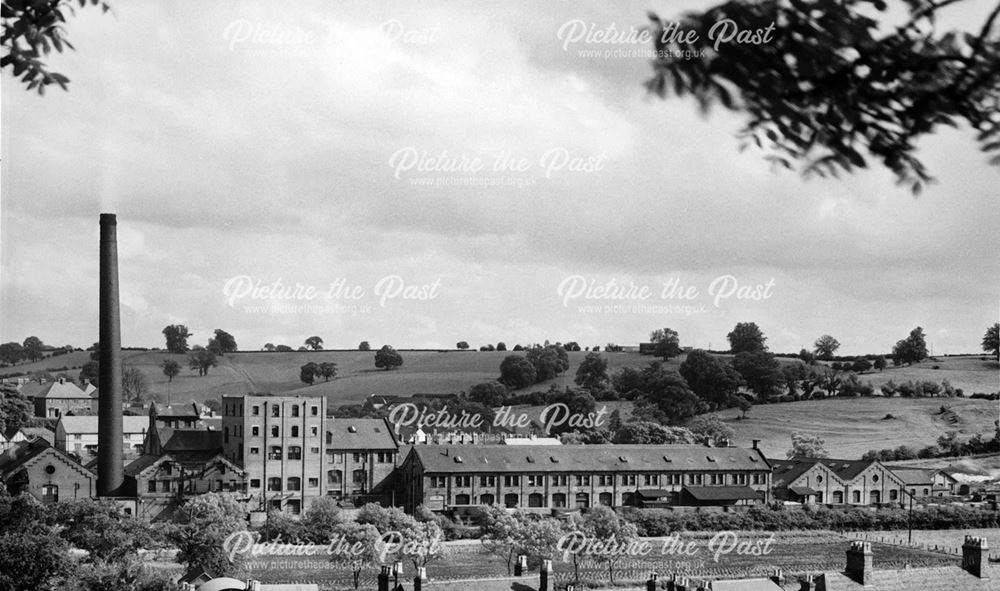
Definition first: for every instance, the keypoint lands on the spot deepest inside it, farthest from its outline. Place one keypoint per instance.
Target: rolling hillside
(849, 426)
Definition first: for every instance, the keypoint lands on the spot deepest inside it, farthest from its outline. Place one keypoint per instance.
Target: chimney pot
(975, 555)
(860, 562)
(543, 575)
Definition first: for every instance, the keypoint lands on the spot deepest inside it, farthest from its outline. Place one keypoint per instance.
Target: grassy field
(852, 426)
(357, 377)
(849, 426)
(794, 552)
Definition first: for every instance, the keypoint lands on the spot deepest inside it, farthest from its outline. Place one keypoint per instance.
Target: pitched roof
(745, 585)
(803, 490)
(585, 458)
(722, 493)
(22, 453)
(61, 389)
(141, 463)
(175, 411)
(847, 470)
(88, 424)
(527, 583)
(915, 579)
(913, 475)
(39, 432)
(788, 470)
(189, 440)
(361, 434)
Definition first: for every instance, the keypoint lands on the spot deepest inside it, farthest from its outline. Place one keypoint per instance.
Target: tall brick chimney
(975, 555)
(110, 459)
(860, 562)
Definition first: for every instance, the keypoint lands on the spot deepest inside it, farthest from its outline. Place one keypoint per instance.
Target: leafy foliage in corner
(831, 87)
(31, 30)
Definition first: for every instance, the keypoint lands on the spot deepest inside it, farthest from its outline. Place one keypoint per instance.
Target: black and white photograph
(553, 295)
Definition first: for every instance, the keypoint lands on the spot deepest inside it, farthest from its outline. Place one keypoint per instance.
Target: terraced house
(546, 477)
(836, 482)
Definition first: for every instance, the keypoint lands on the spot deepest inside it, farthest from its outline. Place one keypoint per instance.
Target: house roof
(145, 461)
(61, 389)
(803, 491)
(531, 441)
(915, 579)
(22, 453)
(846, 470)
(914, 475)
(528, 583)
(654, 493)
(139, 464)
(358, 434)
(88, 424)
(189, 440)
(39, 432)
(722, 493)
(187, 411)
(745, 585)
(585, 458)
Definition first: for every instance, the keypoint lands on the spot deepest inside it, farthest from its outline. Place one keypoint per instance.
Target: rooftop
(88, 424)
(361, 434)
(586, 458)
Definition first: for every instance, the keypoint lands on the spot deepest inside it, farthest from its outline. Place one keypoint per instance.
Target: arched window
(605, 498)
(487, 499)
(875, 497)
(559, 500)
(582, 500)
(294, 483)
(510, 500)
(536, 500)
(463, 499)
(358, 476)
(838, 497)
(335, 477)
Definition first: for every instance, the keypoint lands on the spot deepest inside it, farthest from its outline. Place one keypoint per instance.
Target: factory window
(295, 430)
(255, 410)
(294, 483)
(295, 410)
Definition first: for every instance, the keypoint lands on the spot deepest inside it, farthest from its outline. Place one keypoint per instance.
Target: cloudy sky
(421, 173)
